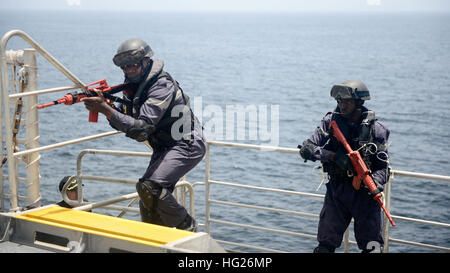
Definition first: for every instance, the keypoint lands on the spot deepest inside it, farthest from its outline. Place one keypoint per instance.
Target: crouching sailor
(342, 201)
(155, 109)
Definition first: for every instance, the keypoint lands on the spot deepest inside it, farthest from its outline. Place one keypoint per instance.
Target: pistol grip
(93, 116)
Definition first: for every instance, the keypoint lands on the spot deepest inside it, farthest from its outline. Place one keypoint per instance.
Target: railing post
(387, 201)
(6, 115)
(2, 179)
(31, 128)
(347, 240)
(79, 177)
(6, 122)
(207, 189)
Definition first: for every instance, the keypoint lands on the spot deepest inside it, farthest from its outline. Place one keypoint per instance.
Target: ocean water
(287, 60)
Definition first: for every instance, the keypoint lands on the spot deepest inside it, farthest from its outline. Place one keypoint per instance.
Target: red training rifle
(362, 172)
(90, 91)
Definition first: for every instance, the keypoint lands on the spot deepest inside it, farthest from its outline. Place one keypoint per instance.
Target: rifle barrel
(47, 104)
(385, 211)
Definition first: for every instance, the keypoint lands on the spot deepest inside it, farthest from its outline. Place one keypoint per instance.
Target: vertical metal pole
(207, 188)
(346, 240)
(2, 183)
(79, 178)
(2, 180)
(387, 201)
(8, 130)
(31, 129)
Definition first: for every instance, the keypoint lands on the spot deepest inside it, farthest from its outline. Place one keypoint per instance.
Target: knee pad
(149, 215)
(149, 192)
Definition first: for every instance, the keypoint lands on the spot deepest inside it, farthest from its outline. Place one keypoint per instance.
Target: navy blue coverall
(342, 201)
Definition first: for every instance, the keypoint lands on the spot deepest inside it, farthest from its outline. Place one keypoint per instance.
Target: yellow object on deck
(103, 225)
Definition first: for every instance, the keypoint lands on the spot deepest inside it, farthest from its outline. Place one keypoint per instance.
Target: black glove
(380, 188)
(343, 161)
(140, 132)
(307, 150)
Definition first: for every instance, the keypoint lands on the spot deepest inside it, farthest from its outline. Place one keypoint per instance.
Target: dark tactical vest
(357, 136)
(162, 137)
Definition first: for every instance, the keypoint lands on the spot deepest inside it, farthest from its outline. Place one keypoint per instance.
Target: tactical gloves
(307, 150)
(140, 131)
(343, 161)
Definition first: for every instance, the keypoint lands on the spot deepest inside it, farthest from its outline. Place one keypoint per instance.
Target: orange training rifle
(90, 91)
(362, 172)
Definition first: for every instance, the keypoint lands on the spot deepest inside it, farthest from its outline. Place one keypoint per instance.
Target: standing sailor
(342, 201)
(155, 109)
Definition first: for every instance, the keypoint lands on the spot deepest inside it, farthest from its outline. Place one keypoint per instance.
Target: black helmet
(351, 89)
(132, 51)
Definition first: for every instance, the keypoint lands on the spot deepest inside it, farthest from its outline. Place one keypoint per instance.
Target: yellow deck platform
(107, 226)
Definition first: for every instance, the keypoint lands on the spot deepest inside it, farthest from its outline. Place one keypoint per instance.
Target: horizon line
(226, 11)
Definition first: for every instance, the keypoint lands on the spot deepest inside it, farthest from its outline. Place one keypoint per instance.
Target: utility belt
(336, 174)
(161, 140)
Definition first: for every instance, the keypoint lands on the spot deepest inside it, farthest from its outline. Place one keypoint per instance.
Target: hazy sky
(234, 5)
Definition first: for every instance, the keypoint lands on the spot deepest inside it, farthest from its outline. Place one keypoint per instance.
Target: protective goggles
(345, 92)
(130, 57)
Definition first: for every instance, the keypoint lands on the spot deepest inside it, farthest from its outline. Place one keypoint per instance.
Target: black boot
(188, 224)
(324, 249)
(372, 250)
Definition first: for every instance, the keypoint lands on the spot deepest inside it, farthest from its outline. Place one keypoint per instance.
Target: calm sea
(287, 60)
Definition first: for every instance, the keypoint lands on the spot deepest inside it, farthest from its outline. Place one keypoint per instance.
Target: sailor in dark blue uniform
(342, 201)
(155, 109)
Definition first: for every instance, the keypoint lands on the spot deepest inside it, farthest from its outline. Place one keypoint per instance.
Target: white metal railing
(182, 188)
(27, 59)
(387, 193)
